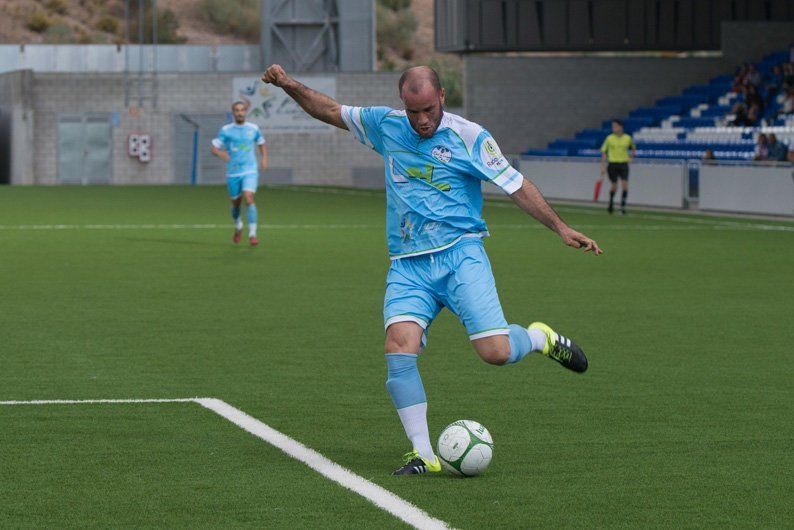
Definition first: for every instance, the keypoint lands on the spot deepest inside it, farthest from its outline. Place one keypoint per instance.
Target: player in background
(435, 163)
(236, 145)
(615, 160)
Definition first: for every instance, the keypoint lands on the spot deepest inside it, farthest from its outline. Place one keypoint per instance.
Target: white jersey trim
(478, 235)
(467, 131)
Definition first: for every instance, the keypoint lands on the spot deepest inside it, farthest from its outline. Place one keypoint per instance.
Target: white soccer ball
(465, 448)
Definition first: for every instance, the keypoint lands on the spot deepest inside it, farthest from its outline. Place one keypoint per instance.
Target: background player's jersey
(240, 142)
(433, 185)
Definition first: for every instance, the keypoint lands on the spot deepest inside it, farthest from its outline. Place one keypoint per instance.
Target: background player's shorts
(618, 170)
(237, 185)
(459, 277)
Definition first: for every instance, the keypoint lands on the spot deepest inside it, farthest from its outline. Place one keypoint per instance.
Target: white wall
(651, 183)
(747, 188)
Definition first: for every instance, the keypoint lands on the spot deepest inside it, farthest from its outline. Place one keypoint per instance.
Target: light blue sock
(404, 383)
(408, 394)
(251, 213)
(520, 343)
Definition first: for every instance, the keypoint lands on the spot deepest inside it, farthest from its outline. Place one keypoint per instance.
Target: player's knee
(401, 341)
(249, 198)
(495, 352)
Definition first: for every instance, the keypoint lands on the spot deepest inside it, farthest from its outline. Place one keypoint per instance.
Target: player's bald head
(419, 79)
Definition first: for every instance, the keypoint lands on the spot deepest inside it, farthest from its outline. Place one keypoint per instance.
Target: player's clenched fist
(275, 75)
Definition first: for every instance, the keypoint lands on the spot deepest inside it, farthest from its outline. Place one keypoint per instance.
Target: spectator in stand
(788, 103)
(708, 156)
(776, 151)
(761, 148)
(753, 76)
(773, 84)
(753, 99)
(788, 76)
(741, 119)
(739, 79)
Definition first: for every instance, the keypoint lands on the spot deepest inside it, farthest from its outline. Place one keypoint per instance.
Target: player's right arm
(316, 104)
(218, 149)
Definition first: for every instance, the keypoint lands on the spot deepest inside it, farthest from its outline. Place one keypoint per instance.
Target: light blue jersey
(240, 142)
(433, 185)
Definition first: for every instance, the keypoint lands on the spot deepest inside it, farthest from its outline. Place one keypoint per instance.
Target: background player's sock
(238, 222)
(523, 341)
(408, 395)
(252, 216)
(623, 199)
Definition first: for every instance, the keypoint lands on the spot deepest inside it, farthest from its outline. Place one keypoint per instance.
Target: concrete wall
(334, 158)
(530, 101)
(750, 41)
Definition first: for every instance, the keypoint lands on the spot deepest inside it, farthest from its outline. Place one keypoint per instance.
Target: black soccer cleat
(562, 349)
(416, 465)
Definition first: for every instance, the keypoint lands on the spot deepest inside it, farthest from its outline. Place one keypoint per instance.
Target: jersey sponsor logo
(442, 154)
(491, 156)
(420, 173)
(426, 174)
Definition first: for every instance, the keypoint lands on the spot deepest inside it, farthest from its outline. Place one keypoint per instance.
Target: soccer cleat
(253, 241)
(562, 349)
(415, 465)
(236, 236)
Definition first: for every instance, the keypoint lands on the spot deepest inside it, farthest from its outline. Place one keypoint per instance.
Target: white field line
(96, 401)
(380, 497)
(179, 226)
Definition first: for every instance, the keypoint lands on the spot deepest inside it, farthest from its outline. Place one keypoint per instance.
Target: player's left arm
(529, 199)
(264, 162)
(488, 163)
(260, 141)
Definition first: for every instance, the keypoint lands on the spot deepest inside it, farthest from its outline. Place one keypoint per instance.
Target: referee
(615, 160)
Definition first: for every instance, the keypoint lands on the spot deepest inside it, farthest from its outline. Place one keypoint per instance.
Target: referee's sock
(623, 199)
(611, 200)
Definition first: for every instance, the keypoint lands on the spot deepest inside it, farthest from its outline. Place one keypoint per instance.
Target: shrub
(451, 78)
(167, 26)
(57, 6)
(58, 34)
(395, 5)
(38, 21)
(232, 17)
(396, 30)
(107, 24)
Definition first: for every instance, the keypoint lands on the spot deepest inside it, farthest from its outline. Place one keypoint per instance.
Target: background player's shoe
(236, 236)
(562, 349)
(415, 464)
(253, 240)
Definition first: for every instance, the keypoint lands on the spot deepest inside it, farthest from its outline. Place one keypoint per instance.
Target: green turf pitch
(684, 419)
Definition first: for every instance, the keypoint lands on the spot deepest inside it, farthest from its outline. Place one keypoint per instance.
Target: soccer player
(236, 145)
(435, 163)
(615, 161)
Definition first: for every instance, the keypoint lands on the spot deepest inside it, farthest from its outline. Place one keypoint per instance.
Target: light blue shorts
(459, 278)
(237, 185)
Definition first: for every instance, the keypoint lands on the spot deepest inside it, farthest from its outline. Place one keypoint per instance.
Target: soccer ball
(465, 448)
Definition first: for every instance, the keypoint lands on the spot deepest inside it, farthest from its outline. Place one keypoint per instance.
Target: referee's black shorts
(618, 170)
